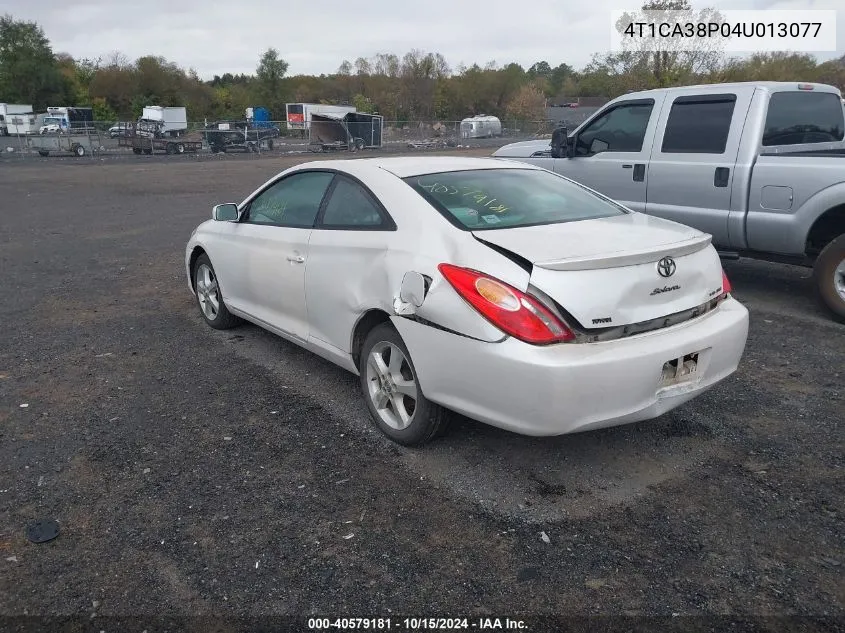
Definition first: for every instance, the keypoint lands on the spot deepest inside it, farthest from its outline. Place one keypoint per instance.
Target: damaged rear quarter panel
(349, 273)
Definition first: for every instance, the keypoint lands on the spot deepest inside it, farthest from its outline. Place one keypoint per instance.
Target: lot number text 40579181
(416, 624)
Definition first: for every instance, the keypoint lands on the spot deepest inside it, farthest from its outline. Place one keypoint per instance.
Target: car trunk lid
(616, 271)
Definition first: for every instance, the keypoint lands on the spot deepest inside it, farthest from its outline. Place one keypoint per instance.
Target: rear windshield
(504, 198)
(795, 118)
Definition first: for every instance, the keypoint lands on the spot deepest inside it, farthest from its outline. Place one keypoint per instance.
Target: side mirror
(559, 142)
(227, 212)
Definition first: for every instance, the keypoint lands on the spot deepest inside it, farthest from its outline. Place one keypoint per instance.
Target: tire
(170, 149)
(136, 150)
(44, 152)
(829, 277)
(426, 420)
(148, 151)
(270, 144)
(78, 150)
(209, 299)
(180, 148)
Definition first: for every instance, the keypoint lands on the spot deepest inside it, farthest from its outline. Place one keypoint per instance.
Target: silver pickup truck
(759, 166)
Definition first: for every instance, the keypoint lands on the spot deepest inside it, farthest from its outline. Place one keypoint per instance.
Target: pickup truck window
(621, 129)
(699, 125)
(801, 117)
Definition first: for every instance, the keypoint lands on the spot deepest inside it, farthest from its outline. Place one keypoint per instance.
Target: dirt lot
(219, 473)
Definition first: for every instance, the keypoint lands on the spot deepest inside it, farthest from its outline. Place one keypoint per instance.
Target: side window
(803, 117)
(350, 206)
(621, 129)
(292, 201)
(699, 124)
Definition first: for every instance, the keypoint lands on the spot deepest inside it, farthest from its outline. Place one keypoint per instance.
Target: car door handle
(296, 259)
(721, 177)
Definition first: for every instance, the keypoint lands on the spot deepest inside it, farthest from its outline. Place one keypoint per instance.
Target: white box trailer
(481, 126)
(298, 115)
(163, 121)
(12, 118)
(25, 124)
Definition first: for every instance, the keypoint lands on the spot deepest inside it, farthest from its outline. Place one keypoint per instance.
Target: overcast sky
(220, 36)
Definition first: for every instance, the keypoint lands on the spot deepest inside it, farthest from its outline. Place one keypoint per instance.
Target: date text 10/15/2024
(416, 624)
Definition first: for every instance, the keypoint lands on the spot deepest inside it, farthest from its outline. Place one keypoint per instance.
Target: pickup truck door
(612, 149)
(692, 165)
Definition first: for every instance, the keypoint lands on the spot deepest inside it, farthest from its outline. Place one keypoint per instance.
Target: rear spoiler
(630, 258)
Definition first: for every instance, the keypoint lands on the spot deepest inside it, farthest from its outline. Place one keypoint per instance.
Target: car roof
(409, 166)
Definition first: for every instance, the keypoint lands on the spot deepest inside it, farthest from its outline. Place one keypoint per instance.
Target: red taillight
(726, 285)
(509, 309)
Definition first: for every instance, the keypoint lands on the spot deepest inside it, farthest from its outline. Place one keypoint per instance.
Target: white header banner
(727, 31)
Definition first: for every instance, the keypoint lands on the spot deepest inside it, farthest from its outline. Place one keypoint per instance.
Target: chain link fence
(114, 137)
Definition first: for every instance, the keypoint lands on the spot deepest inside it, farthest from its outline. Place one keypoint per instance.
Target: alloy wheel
(208, 292)
(839, 279)
(391, 385)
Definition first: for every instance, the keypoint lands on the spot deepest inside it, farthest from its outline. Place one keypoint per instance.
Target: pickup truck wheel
(829, 275)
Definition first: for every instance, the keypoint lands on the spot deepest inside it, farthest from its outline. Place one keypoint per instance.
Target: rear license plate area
(679, 370)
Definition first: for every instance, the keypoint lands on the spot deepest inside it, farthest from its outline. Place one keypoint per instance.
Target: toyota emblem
(666, 267)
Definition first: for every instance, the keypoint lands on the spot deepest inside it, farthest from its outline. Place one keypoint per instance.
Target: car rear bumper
(573, 387)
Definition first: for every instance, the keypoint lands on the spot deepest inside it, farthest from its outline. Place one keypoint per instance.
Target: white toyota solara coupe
(493, 288)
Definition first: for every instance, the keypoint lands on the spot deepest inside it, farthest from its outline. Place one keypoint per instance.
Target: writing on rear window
(495, 199)
(476, 195)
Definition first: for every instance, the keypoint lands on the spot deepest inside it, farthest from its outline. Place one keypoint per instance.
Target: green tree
(362, 103)
(28, 70)
(270, 73)
(103, 112)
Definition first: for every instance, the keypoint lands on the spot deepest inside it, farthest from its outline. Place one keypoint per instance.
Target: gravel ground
(233, 475)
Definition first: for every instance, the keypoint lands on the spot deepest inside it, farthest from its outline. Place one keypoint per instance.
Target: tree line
(416, 86)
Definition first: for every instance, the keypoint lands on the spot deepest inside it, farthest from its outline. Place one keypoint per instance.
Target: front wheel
(829, 276)
(209, 297)
(392, 392)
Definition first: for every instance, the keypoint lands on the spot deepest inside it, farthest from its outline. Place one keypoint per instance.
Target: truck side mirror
(559, 142)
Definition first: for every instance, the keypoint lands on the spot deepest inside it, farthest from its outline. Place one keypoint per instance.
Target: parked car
(496, 289)
(759, 166)
(119, 129)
